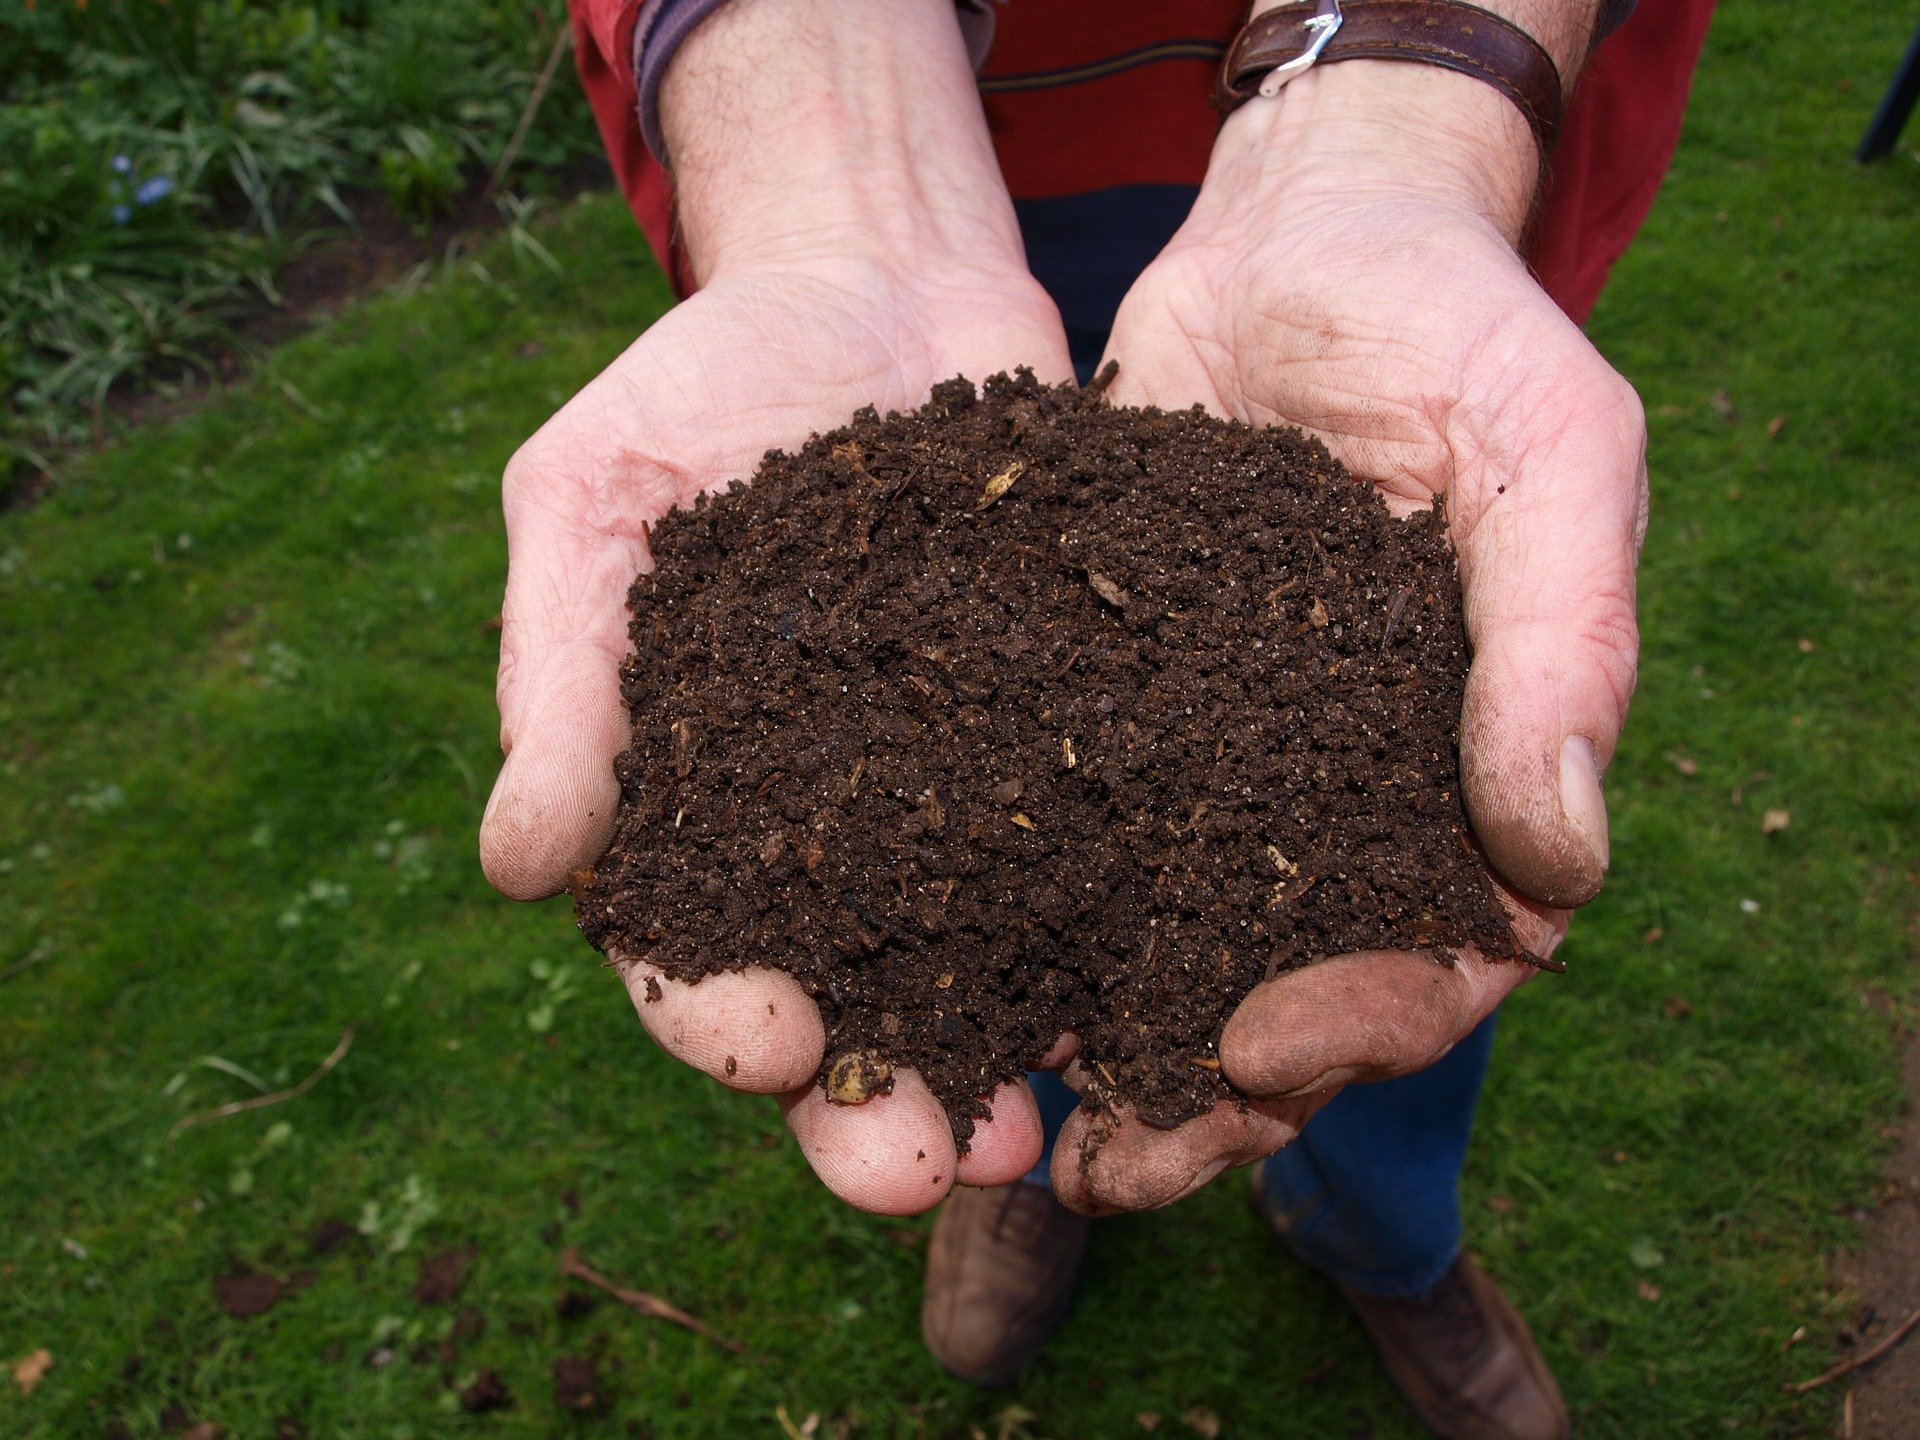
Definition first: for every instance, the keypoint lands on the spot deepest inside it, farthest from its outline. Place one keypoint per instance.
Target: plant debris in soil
(1023, 714)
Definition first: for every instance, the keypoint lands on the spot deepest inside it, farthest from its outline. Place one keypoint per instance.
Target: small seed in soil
(856, 1077)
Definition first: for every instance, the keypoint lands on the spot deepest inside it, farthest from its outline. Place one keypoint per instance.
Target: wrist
(1406, 128)
(799, 129)
(1364, 129)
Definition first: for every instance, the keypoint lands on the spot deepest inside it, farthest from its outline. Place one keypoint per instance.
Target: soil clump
(1022, 714)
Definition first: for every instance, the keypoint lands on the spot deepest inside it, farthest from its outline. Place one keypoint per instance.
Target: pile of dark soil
(1023, 714)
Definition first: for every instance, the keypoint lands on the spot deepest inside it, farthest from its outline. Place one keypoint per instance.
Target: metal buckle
(1323, 27)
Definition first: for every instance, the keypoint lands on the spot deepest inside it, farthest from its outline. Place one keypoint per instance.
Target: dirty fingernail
(1581, 799)
(1332, 1080)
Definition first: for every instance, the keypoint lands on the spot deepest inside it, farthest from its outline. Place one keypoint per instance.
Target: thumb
(562, 721)
(1547, 566)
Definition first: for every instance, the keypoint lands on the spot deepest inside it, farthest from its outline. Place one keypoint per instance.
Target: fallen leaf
(1685, 764)
(206, 1430)
(1775, 426)
(1202, 1421)
(28, 1373)
(1678, 1008)
(1000, 484)
(442, 1276)
(1806, 646)
(247, 1293)
(487, 1392)
(1723, 403)
(1500, 1204)
(1147, 1420)
(330, 1235)
(1654, 936)
(468, 1327)
(576, 1384)
(1774, 821)
(1648, 1291)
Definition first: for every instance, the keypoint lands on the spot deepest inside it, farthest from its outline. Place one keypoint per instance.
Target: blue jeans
(1370, 1192)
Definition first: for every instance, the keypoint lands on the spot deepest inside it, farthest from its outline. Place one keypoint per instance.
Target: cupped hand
(1390, 316)
(758, 359)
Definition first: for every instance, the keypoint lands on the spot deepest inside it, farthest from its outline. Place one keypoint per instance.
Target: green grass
(246, 729)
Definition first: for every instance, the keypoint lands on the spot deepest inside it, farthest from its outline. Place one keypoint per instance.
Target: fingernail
(1581, 799)
(1332, 1080)
(1207, 1174)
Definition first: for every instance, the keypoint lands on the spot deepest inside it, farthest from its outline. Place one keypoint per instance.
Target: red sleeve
(1619, 136)
(1056, 116)
(603, 53)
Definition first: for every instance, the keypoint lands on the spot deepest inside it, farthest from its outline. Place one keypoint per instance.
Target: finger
(892, 1155)
(755, 1030)
(1105, 1164)
(1007, 1146)
(1554, 459)
(1359, 1017)
(563, 637)
(1062, 1053)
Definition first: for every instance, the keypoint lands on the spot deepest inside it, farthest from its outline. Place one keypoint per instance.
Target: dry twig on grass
(534, 101)
(652, 1306)
(1849, 1366)
(260, 1102)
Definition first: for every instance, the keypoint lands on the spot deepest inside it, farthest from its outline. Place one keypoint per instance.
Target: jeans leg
(1056, 1103)
(1370, 1192)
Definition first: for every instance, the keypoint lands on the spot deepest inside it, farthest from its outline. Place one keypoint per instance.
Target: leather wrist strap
(1447, 33)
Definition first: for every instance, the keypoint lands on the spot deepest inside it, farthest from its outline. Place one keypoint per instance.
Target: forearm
(1418, 127)
(794, 125)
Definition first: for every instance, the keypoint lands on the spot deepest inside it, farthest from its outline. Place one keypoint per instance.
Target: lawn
(245, 734)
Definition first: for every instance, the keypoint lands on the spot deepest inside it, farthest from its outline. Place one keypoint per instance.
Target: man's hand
(840, 202)
(1350, 269)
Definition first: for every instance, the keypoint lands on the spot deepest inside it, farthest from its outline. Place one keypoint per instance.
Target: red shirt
(1087, 95)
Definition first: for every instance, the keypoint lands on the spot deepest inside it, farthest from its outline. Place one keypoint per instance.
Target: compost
(1024, 713)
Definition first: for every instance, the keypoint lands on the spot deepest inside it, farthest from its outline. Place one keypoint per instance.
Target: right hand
(759, 358)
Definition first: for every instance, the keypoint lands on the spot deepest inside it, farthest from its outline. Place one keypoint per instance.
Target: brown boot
(1461, 1354)
(1465, 1359)
(1000, 1273)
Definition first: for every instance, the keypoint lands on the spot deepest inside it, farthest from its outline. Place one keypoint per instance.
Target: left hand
(1350, 268)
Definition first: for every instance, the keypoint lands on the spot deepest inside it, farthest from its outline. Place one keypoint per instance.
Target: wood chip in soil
(979, 761)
